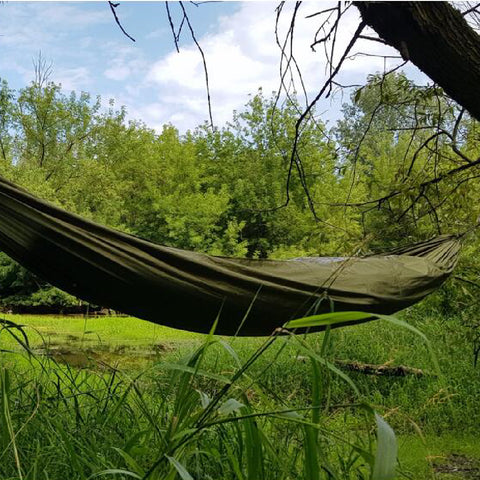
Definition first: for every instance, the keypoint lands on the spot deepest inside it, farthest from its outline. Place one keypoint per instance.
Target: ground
(435, 414)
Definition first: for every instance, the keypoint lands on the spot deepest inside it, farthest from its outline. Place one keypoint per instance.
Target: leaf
(130, 461)
(231, 351)
(326, 319)
(323, 361)
(358, 93)
(386, 455)
(230, 406)
(114, 471)
(401, 323)
(204, 399)
(291, 415)
(182, 471)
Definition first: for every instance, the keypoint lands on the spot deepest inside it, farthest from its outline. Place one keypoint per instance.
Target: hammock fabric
(189, 290)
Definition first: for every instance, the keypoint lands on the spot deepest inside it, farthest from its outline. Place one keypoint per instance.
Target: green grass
(117, 395)
(110, 330)
(448, 456)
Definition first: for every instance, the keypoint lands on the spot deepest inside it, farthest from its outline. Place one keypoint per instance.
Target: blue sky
(156, 84)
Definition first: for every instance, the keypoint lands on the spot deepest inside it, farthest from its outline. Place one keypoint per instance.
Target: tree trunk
(437, 39)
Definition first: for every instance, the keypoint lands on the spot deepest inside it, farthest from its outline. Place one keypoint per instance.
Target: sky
(157, 85)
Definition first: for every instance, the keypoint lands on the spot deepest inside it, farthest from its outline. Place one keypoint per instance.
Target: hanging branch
(437, 39)
(423, 185)
(295, 159)
(172, 28)
(113, 6)
(330, 20)
(205, 69)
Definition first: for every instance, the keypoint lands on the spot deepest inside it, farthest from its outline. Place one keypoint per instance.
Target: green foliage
(222, 412)
(211, 191)
(397, 137)
(231, 409)
(195, 423)
(219, 191)
(45, 300)
(22, 291)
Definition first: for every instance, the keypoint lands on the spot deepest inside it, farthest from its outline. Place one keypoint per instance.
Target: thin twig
(205, 69)
(172, 28)
(294, 160)
(113, 6)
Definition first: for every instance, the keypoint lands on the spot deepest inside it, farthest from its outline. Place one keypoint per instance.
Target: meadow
(119, 397)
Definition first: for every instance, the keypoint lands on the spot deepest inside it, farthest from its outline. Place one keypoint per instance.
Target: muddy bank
(103, 356)
(457, 466)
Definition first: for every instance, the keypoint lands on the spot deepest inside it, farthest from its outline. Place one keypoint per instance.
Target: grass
(123, 398)
(95, 330)
(449, 456)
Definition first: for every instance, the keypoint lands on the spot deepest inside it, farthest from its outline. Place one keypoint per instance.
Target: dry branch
(384, 370)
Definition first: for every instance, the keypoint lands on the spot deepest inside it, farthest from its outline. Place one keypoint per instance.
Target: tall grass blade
(6, 419)
(182, 471)
(114, 471)
(386, 455)
(395, 321)
(328, 319)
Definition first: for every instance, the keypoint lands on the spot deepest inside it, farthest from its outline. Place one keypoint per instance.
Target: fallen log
(385, 369)
(373, 369)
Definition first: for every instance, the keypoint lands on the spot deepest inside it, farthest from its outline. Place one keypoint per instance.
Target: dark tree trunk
(437, 39)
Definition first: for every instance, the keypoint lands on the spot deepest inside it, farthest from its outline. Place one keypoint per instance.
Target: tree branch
(437, 39)
(113, 6)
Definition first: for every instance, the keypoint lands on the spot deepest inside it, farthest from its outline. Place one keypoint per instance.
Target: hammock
(189, 290)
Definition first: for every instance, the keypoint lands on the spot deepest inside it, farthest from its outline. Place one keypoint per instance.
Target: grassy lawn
(96, 330)
(128, 377)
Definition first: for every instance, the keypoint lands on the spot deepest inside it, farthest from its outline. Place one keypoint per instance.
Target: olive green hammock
(189, 290)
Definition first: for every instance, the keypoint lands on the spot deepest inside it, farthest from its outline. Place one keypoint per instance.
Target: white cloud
(125, 64)
(240, 59)
(29, 29)
(155, 34)
(39, 23)
(244, 56)
(117, 72)
(77, 78)
(240, 51)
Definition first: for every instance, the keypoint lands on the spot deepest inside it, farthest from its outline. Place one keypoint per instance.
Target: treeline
(224, 191)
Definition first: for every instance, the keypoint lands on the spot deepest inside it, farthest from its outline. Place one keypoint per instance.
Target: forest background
(223, 191)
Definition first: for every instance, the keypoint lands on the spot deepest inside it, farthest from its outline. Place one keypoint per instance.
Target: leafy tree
(223, 191)
(403, 141)
(250, 158)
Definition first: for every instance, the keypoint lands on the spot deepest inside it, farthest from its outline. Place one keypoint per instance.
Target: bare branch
(113, 6)
(373, 39)
(475, 8)
(205, 69)
(172, 28)
(294, 159)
